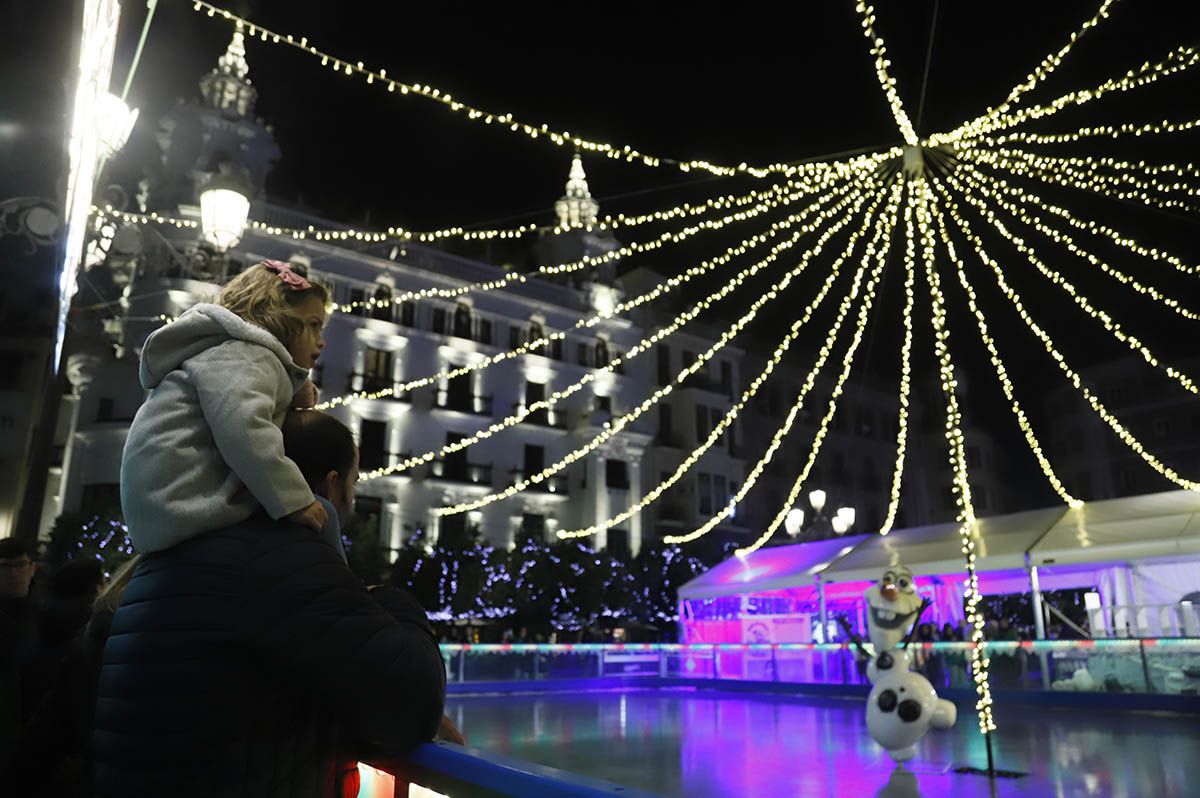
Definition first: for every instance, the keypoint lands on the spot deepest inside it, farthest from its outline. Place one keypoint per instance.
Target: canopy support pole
(821, 614)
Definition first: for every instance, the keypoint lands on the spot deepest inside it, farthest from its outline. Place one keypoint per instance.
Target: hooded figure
(205, 449)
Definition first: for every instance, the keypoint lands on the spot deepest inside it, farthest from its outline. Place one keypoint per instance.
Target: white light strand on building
(561, 138)
(616, 425)
(905, 372)
(1132, 341)
(671, 283)
(643, 346)
(1002, 373)
(1072, 376)
(824, 181)
(1085, 225)
(719, 429)
(975, 180)
(1178, 60)
(877, 249)
(958, 462)
(886, 81)
(1043, 70)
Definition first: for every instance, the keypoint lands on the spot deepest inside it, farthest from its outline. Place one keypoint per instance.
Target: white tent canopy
(1000, 545)
(1137, 528)
(772, 568)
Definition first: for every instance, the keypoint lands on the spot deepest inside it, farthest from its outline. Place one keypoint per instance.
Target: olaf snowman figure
(902, 705)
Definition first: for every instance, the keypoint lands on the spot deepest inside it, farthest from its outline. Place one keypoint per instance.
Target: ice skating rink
(711, 744)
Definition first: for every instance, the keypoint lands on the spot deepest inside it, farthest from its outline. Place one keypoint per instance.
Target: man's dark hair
(318, 443)
(14, 548)
(77, 578)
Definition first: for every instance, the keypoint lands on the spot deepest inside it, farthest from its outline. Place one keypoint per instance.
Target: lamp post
(224, 208)
(839, 522)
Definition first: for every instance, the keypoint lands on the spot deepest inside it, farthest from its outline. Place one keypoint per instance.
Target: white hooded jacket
(205, 449)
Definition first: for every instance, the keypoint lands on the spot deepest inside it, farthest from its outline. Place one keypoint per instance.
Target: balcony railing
(556, 484)
(543, 417)
(475, 405)
(451, 470)
(373, 384)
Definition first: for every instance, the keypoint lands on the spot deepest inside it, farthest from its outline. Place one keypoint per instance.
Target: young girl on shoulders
(205, 450)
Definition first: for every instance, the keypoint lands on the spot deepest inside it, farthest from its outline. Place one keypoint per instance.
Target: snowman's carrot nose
(888, 591)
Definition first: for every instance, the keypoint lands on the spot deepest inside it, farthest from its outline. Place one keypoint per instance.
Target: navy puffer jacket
(247, 661)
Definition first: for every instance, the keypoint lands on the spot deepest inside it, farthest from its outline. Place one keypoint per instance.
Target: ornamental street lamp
(224, 208)
(840, 522)
(114, 123)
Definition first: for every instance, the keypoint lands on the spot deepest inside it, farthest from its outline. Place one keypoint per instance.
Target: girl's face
(308, 345)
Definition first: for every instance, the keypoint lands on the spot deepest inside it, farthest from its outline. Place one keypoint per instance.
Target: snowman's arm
(854, 638)
(908, 638)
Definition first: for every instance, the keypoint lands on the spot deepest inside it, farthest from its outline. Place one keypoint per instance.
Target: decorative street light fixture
(224, 208)
(114, 123)
(840, 522)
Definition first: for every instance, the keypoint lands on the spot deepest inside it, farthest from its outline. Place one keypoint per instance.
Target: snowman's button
(909, 710)
(887, 700)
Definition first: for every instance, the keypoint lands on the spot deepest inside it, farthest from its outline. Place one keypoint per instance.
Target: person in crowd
(205, 450)
(270, 663)
(17, 569)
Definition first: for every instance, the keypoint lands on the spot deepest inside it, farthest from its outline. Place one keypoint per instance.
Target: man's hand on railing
(449, 733)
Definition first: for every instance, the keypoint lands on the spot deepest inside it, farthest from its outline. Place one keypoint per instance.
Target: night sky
(725, 82)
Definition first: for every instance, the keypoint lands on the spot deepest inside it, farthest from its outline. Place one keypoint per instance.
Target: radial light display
(945, 211)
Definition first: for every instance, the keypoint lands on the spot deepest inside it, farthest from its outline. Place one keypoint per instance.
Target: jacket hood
(200, 328)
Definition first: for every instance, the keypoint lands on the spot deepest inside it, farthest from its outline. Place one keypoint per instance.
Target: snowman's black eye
(887, 701)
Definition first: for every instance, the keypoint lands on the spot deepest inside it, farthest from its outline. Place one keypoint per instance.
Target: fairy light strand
(747, 395)
(1048, 343)
(955, 442)
(1002, 372)
(886, 81)
(643, 346)
(670, 284)
(615, 426)
(877, 250)
(1097, 131)
(905, 374)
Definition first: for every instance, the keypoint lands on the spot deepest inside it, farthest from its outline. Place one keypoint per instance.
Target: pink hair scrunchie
(292, 280)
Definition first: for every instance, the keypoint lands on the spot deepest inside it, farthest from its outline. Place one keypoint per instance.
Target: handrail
(465, 772)
(1000, 645)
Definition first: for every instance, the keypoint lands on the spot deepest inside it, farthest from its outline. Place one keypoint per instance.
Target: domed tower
(218, 134)
(575, 237)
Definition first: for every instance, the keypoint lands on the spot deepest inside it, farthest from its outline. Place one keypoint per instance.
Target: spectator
(16, 637)
(269, 663)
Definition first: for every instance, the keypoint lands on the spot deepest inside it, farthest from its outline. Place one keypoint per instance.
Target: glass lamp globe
(114, 123)
(223, 214)
(794, 521)
(846, 514)
(839, 525)
(817, 499)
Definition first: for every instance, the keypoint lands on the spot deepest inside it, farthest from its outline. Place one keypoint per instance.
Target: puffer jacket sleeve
(378, 671)
(238, 385)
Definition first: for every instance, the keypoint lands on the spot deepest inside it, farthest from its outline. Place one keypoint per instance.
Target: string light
(643, 346)
(885, 80)
(619, 423)
(667, 285)
(1072, 376)
(1002, 373)
(719, 429)
(598, 260)
(1045, 170)
(958, 462)
(1105, 131)
(1109, 324)
(874, 250)
(976, 181)
(1178, 60)
(611, 222)
(561, 138)
(1087, 225)
(1048, 65)
(905, 373)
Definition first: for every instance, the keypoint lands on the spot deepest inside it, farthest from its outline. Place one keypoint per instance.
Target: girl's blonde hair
(110, 596)
(261, 297)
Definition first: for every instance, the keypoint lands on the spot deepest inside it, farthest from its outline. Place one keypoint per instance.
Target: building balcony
(461, 472)
(474, 405)
(373, 384)
(555, 485)
(699, 382)
(551, 418)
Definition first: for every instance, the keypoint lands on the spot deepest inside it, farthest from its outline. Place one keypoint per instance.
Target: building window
(439, 320)
(664, 364)
(618, 543)
(537, 332)
(408, 314)
(604, 404)
(383, 304)
(556, 349)
(601, 353)
(462, 321)
(358, 299)
(535, 459)
(664, 421)
(485, 332)
(536, 392)
(377, 369)
(701, 423)
(514, 337)
(727, 378)
(581, 352)
(616, 474)
(533, 526)
(372, 445)
(704, 489)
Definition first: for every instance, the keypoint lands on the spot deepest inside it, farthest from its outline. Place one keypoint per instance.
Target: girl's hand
(313, 516)
(306, 397)
(449, 732)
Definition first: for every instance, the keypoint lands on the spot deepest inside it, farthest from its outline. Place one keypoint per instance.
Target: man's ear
(328, 484)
